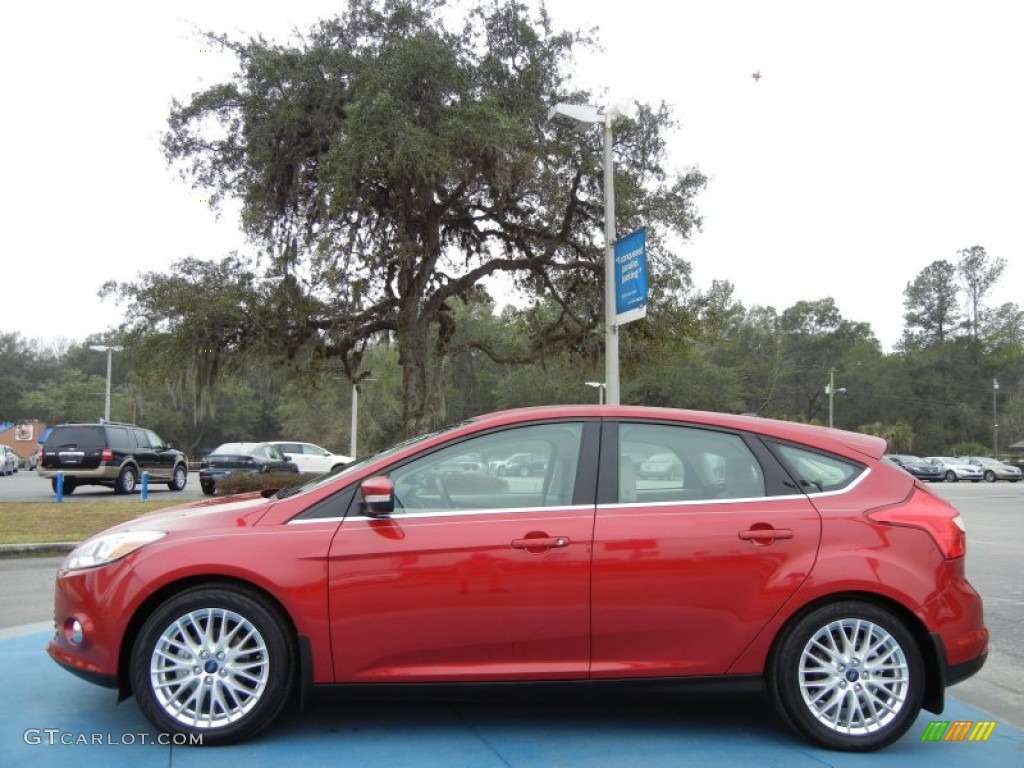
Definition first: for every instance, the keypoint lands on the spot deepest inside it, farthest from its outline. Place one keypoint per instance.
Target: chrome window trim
(455, 513)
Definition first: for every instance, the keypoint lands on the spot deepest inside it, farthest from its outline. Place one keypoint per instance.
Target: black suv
(110, 454)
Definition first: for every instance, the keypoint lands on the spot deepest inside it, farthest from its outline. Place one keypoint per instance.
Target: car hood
(240, 511)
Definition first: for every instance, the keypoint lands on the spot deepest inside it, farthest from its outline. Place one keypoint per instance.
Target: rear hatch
(74, 447)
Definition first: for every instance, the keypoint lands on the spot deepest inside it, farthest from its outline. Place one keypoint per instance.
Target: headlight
(106, 548)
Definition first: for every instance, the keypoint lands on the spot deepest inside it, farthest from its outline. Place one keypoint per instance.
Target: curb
(48, 548)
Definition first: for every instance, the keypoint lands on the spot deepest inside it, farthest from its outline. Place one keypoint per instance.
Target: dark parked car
(241, 458)
(786, 554)
(110, 454)
(918, 467)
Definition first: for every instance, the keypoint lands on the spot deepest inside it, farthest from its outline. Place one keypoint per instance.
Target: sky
(880, 137)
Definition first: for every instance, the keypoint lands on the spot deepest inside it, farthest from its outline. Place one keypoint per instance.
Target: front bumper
(101, 600)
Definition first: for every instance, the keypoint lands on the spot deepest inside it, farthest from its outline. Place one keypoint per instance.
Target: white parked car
(993, 469)
(8, 461)
(312, 458)
(956, 469)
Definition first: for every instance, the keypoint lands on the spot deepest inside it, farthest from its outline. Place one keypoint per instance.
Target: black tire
(126, 481)
(171, 640)
(990, 476)
(208, 490)
(811, 686)
(69, 485)
(951, 476)
(179, 478)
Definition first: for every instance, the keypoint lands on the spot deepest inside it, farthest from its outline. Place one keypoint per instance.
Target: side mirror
(378, 496)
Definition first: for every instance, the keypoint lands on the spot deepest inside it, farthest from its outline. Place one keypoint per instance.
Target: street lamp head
(995, 384)
(575, 115)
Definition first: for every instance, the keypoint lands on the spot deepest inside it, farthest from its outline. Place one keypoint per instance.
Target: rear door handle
(765, 535)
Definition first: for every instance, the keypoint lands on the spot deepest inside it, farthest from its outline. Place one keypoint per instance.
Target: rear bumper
(102, 474)
(959, 672)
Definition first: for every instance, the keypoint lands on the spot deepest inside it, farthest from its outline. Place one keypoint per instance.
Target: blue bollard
(60, 487)
(145, 487)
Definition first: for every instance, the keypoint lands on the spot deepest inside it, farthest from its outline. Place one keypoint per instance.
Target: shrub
(246, 483)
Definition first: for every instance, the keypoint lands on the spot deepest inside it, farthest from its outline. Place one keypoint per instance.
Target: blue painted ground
(666, 730)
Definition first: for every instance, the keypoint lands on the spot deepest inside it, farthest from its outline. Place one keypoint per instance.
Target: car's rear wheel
(69, 485)
(848, 676)
(950, 476)
(179, 479)
(213, 661)
(990, 476)
(126, 481)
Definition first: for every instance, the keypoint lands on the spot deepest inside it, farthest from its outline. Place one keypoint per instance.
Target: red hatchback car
(780, 552)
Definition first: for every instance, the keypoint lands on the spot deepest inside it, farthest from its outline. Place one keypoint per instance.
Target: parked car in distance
(919, 468)
(30, 461)
(309, 457)
(994, 469)
(789, 555)
(110, 454)
(8, 461)
(662, 466)
(955, 469)
(521, 464)
(241, 458)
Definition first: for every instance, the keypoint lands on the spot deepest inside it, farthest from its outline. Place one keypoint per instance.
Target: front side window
(518, 468)
(675, 463)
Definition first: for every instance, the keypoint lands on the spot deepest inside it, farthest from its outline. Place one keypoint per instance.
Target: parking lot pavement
(51, 718)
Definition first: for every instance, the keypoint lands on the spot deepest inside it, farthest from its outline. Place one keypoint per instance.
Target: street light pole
(110, 350)
(582, 114)
(611, 332)
(354, 429)
(600, 390)
(831, 390)
(995, 420)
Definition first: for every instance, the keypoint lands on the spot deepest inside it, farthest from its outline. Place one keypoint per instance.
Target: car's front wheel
(950, 476)
(215, 662)
(990, 476)
(179, 479)
(848, 676)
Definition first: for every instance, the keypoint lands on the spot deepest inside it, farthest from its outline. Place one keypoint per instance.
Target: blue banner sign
(631, 277)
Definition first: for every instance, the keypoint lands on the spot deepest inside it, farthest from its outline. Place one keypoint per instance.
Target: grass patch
(34, 522)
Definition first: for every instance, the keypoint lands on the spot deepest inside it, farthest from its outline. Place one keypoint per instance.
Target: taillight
(931, 514)
(107, 455)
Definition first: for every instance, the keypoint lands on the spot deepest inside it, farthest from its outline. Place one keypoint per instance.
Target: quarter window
(818, 472)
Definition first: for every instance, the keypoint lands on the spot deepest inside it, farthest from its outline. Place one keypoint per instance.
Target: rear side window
(817, 472)
(88, 437)
(119, 439)
(673, 463)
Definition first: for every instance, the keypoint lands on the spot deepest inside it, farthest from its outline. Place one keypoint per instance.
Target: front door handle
(537, 544)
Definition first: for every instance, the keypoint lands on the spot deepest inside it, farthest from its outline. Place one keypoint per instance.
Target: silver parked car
(8, 461)
(956, 469)
(994, 469)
